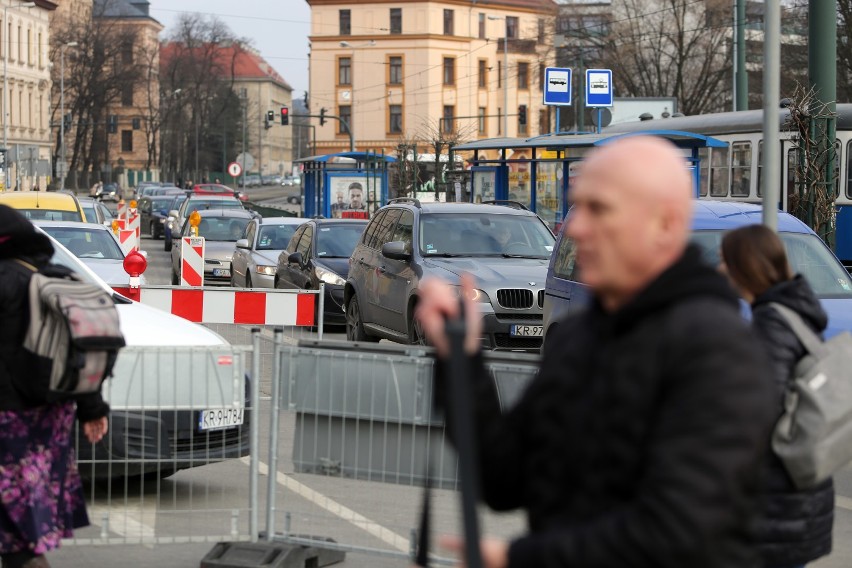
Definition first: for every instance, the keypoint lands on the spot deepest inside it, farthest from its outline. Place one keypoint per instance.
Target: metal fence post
(273, 433)
(321, 315)
(254, 444)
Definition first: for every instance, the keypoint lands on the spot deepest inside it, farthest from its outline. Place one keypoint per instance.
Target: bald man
(639, 442)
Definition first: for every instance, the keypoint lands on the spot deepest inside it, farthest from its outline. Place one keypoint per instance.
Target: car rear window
(50, 215)
(222, 228)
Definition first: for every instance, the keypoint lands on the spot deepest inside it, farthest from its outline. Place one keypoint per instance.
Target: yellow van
(44, 206)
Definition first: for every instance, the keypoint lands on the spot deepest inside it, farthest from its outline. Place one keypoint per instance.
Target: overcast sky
(278, 28)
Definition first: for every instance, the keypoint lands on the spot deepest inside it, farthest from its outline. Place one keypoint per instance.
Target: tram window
(740, 169)
(760, 169)
(719, 172)
(792, 176)
(704, 164)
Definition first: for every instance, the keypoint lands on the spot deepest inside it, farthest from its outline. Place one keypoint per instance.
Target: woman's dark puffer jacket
(795, 526)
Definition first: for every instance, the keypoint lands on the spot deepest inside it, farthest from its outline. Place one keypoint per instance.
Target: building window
(345, 113)
(345, 22)
(127, 95)
(448, 122)
(20, 46)
(481, 120)
(523, 75)
(29, 47)
(449, 71)
(522, 119)
(481, 25)
(541, 69)
(499, 121)
(483, 73)
(41, 112)
(449, 24)
(499, 74)
(541, 30)
(543, 121)
(395, 122)
(396, 20)
(395, 76)
(512, 27)
(126, 140)
(8, 43)
(40, 51)
(344, 71)
(30, 121)
(127, 52)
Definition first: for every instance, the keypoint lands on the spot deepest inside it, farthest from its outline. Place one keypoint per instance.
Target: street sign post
(557, 89)
(234, 169)
(599, 93)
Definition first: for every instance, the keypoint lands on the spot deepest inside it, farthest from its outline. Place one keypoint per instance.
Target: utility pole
(771, 110)
(740, 71)
(244, 98)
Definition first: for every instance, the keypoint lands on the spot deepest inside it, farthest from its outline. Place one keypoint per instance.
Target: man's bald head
(631, 215)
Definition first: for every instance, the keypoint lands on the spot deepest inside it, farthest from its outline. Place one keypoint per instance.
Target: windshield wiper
(511, 255)
(445, 255)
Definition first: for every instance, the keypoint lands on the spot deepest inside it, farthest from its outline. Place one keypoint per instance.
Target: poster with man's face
(356, 195)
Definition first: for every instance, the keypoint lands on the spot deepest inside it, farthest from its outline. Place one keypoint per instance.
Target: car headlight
(477, 295)
(163, 221)
(328, 276)
(267, 270)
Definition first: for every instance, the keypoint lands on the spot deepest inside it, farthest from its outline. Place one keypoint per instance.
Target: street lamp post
(6, 114)
(351, 127)
(63, 163)
(505, 74)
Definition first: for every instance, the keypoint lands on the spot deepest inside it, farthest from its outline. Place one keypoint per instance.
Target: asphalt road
(206, 502)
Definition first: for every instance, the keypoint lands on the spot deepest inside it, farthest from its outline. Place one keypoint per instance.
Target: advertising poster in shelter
(354, 196)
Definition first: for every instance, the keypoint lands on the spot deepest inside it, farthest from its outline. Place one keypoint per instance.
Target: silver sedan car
(256, 257)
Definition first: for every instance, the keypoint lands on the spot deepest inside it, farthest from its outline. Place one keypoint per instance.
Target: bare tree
(438, 135)
(97, 71)
(198, 104)
(658, 48)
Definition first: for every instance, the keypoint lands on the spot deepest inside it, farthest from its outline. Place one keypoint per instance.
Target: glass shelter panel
(548, 187)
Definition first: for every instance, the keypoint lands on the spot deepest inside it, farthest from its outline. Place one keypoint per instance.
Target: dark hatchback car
(154, 211)
(319, 252)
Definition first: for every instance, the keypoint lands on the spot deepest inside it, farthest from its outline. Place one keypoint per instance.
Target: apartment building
(24, 37)
(405, 70)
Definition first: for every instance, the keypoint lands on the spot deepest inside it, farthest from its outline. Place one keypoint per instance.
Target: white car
(95, 245)
(167, 382)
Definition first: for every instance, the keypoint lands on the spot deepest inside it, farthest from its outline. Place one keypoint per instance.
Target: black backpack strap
(812, 342)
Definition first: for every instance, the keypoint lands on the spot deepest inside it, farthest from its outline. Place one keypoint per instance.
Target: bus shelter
(536, 172)
(344, 185)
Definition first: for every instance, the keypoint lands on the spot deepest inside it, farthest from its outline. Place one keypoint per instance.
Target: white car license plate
(221, 272)
(527, 330)
(220, 418)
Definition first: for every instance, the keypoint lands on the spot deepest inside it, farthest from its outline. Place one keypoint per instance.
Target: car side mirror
(395, 250)
(295, 258)
(242, 243)
(173, 213)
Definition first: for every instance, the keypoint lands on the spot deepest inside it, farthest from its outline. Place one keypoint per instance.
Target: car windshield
(202, 204)
(484, 234)
(807, 254)
(338, 241)
(86, 243)
(50, 215)
(227, 229)
(162, 203)
(275, 237)
(88, 208)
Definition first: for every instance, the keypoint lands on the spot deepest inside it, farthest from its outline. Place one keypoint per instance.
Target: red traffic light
(285, 116)
(135, 264)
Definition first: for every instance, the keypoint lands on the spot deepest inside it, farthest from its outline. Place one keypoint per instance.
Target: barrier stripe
(230, 306)
(189, 274)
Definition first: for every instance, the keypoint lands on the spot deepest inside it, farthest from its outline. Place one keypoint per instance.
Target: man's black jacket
(641, 440)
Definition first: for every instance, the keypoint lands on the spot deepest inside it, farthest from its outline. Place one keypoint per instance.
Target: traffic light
(322, 116)
(112, 123)
(67, 121)
(522, 114)
(285, 116)
(270, 118)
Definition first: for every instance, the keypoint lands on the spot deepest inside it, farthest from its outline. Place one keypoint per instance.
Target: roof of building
(122, 9)
(545, 5)
(247, 62)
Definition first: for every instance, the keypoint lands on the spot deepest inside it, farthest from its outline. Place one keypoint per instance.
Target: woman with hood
(41, 494)
(794, 526)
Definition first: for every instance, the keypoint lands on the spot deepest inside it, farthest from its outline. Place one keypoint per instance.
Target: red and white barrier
(210, 305)
(192, 261)
(129, 240)
(134, 223)
(122, 209)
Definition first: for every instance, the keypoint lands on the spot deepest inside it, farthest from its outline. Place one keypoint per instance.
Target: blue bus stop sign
(598, 88)
(557, 86)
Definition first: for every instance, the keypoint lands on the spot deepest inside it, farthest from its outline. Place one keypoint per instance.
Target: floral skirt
(41, 495)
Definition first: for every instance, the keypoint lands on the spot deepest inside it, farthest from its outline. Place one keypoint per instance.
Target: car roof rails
(507, 203)
(416, 202)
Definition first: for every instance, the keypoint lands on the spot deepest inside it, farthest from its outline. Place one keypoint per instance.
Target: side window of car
(370, 232)
(385, 232)
(565, 262)
(305, 242)
(404, 229)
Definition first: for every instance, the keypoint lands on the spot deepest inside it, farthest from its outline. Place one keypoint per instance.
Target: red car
(217, 189)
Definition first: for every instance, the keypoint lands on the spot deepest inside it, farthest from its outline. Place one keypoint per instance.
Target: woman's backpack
(813, 438)
(73, 335)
